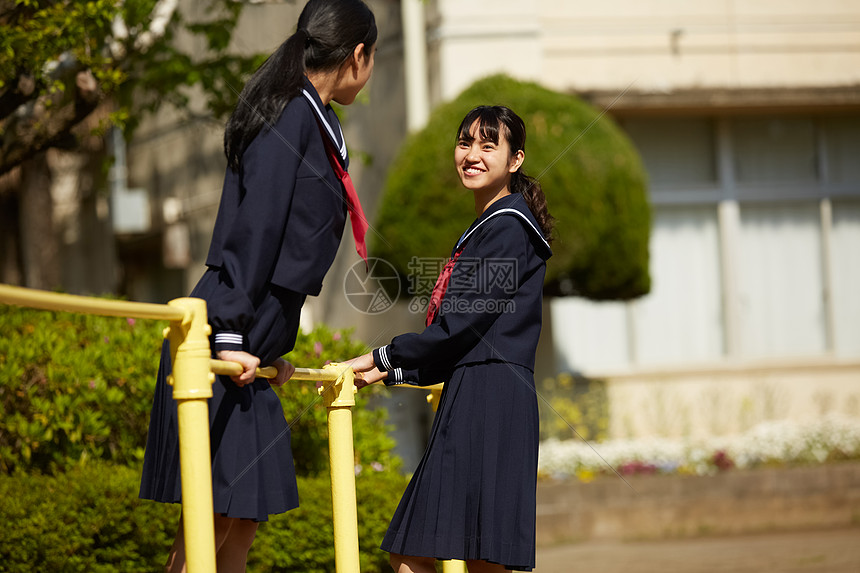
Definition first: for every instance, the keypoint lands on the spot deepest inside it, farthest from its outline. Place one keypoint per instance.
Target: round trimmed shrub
(591, 173)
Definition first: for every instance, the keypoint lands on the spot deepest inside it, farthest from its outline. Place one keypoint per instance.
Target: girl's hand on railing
(365, 370)
(369, 377)
(285, 372)
(249, 364)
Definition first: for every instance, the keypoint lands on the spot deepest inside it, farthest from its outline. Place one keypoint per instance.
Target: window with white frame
(755, 247)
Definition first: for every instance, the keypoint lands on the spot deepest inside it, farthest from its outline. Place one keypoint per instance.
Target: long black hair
(326, 35)
(493, 120)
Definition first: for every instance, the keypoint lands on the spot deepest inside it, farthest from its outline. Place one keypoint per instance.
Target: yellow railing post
(453, 567)
(339, 398)
(338, 394)
(192, 386)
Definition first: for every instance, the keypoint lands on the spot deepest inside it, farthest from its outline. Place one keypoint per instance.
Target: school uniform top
(277, 231)
(491, 311)
(281, 217)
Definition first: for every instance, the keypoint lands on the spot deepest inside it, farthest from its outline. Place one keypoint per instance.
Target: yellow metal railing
(193, 374)
(192, 377)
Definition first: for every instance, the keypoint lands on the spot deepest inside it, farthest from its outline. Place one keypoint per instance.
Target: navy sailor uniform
(473, 493)
(279, 225)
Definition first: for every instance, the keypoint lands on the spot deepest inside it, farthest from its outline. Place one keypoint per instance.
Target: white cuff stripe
(398, 374)
(228, 338)
(383, 355)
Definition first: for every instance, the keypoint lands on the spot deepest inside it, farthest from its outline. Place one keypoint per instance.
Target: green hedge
(591, 173)
(76, 387)
(573, 407)
(90, 520)
(300, 541)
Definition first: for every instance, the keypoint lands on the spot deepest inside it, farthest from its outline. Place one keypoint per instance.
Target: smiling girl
(472, 496)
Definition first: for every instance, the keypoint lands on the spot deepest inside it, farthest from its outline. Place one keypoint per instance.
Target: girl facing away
(472, 496)
(283, 209)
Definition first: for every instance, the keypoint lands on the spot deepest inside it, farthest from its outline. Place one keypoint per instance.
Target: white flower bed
(775, 442)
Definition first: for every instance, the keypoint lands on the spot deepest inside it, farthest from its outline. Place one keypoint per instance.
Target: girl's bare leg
(476, 566)
(176, 557)
(232, 553)
(412, 564)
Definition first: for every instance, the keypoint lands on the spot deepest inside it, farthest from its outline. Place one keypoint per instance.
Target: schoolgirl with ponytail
(284, 204)
(472, 496)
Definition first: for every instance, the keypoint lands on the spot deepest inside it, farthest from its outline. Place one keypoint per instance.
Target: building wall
(651, 45)
(747, 115)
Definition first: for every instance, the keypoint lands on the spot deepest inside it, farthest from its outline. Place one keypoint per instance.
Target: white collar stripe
(324, 120)
(500, 211)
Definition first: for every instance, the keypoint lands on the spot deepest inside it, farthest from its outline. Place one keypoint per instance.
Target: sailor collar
(316, 104)
(515, 205)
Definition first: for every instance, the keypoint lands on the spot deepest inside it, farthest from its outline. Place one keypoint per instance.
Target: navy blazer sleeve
(248, 249)
(467, 314)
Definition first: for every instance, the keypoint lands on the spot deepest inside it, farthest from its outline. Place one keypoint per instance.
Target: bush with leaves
(76, 387)
(90, 520)
(592, 176)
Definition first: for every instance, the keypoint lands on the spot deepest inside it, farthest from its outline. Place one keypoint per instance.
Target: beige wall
(728, 399)
(656, 45)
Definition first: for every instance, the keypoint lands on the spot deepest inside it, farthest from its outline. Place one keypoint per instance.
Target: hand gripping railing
(192, 377)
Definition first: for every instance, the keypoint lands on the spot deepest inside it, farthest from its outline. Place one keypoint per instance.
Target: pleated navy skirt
(253, 474)
(473, 494)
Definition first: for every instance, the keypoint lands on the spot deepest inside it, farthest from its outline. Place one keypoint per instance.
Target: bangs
(489, 124)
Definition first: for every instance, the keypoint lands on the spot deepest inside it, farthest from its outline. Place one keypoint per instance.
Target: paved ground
(829, 551)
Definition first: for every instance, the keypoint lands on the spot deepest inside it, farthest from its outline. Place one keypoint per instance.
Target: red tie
(441, 286)
(356, 214)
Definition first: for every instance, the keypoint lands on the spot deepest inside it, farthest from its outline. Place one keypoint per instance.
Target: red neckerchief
(440, 287)
(356, 213)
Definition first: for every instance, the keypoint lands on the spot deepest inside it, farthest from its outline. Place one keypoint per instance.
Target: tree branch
(47, 120)
(17, 94)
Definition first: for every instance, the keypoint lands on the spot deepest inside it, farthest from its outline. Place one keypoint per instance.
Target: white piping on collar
(499, 212)
(325, 122)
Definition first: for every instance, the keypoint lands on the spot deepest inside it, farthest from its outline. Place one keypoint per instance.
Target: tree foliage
(591, 173)
(61, 59)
